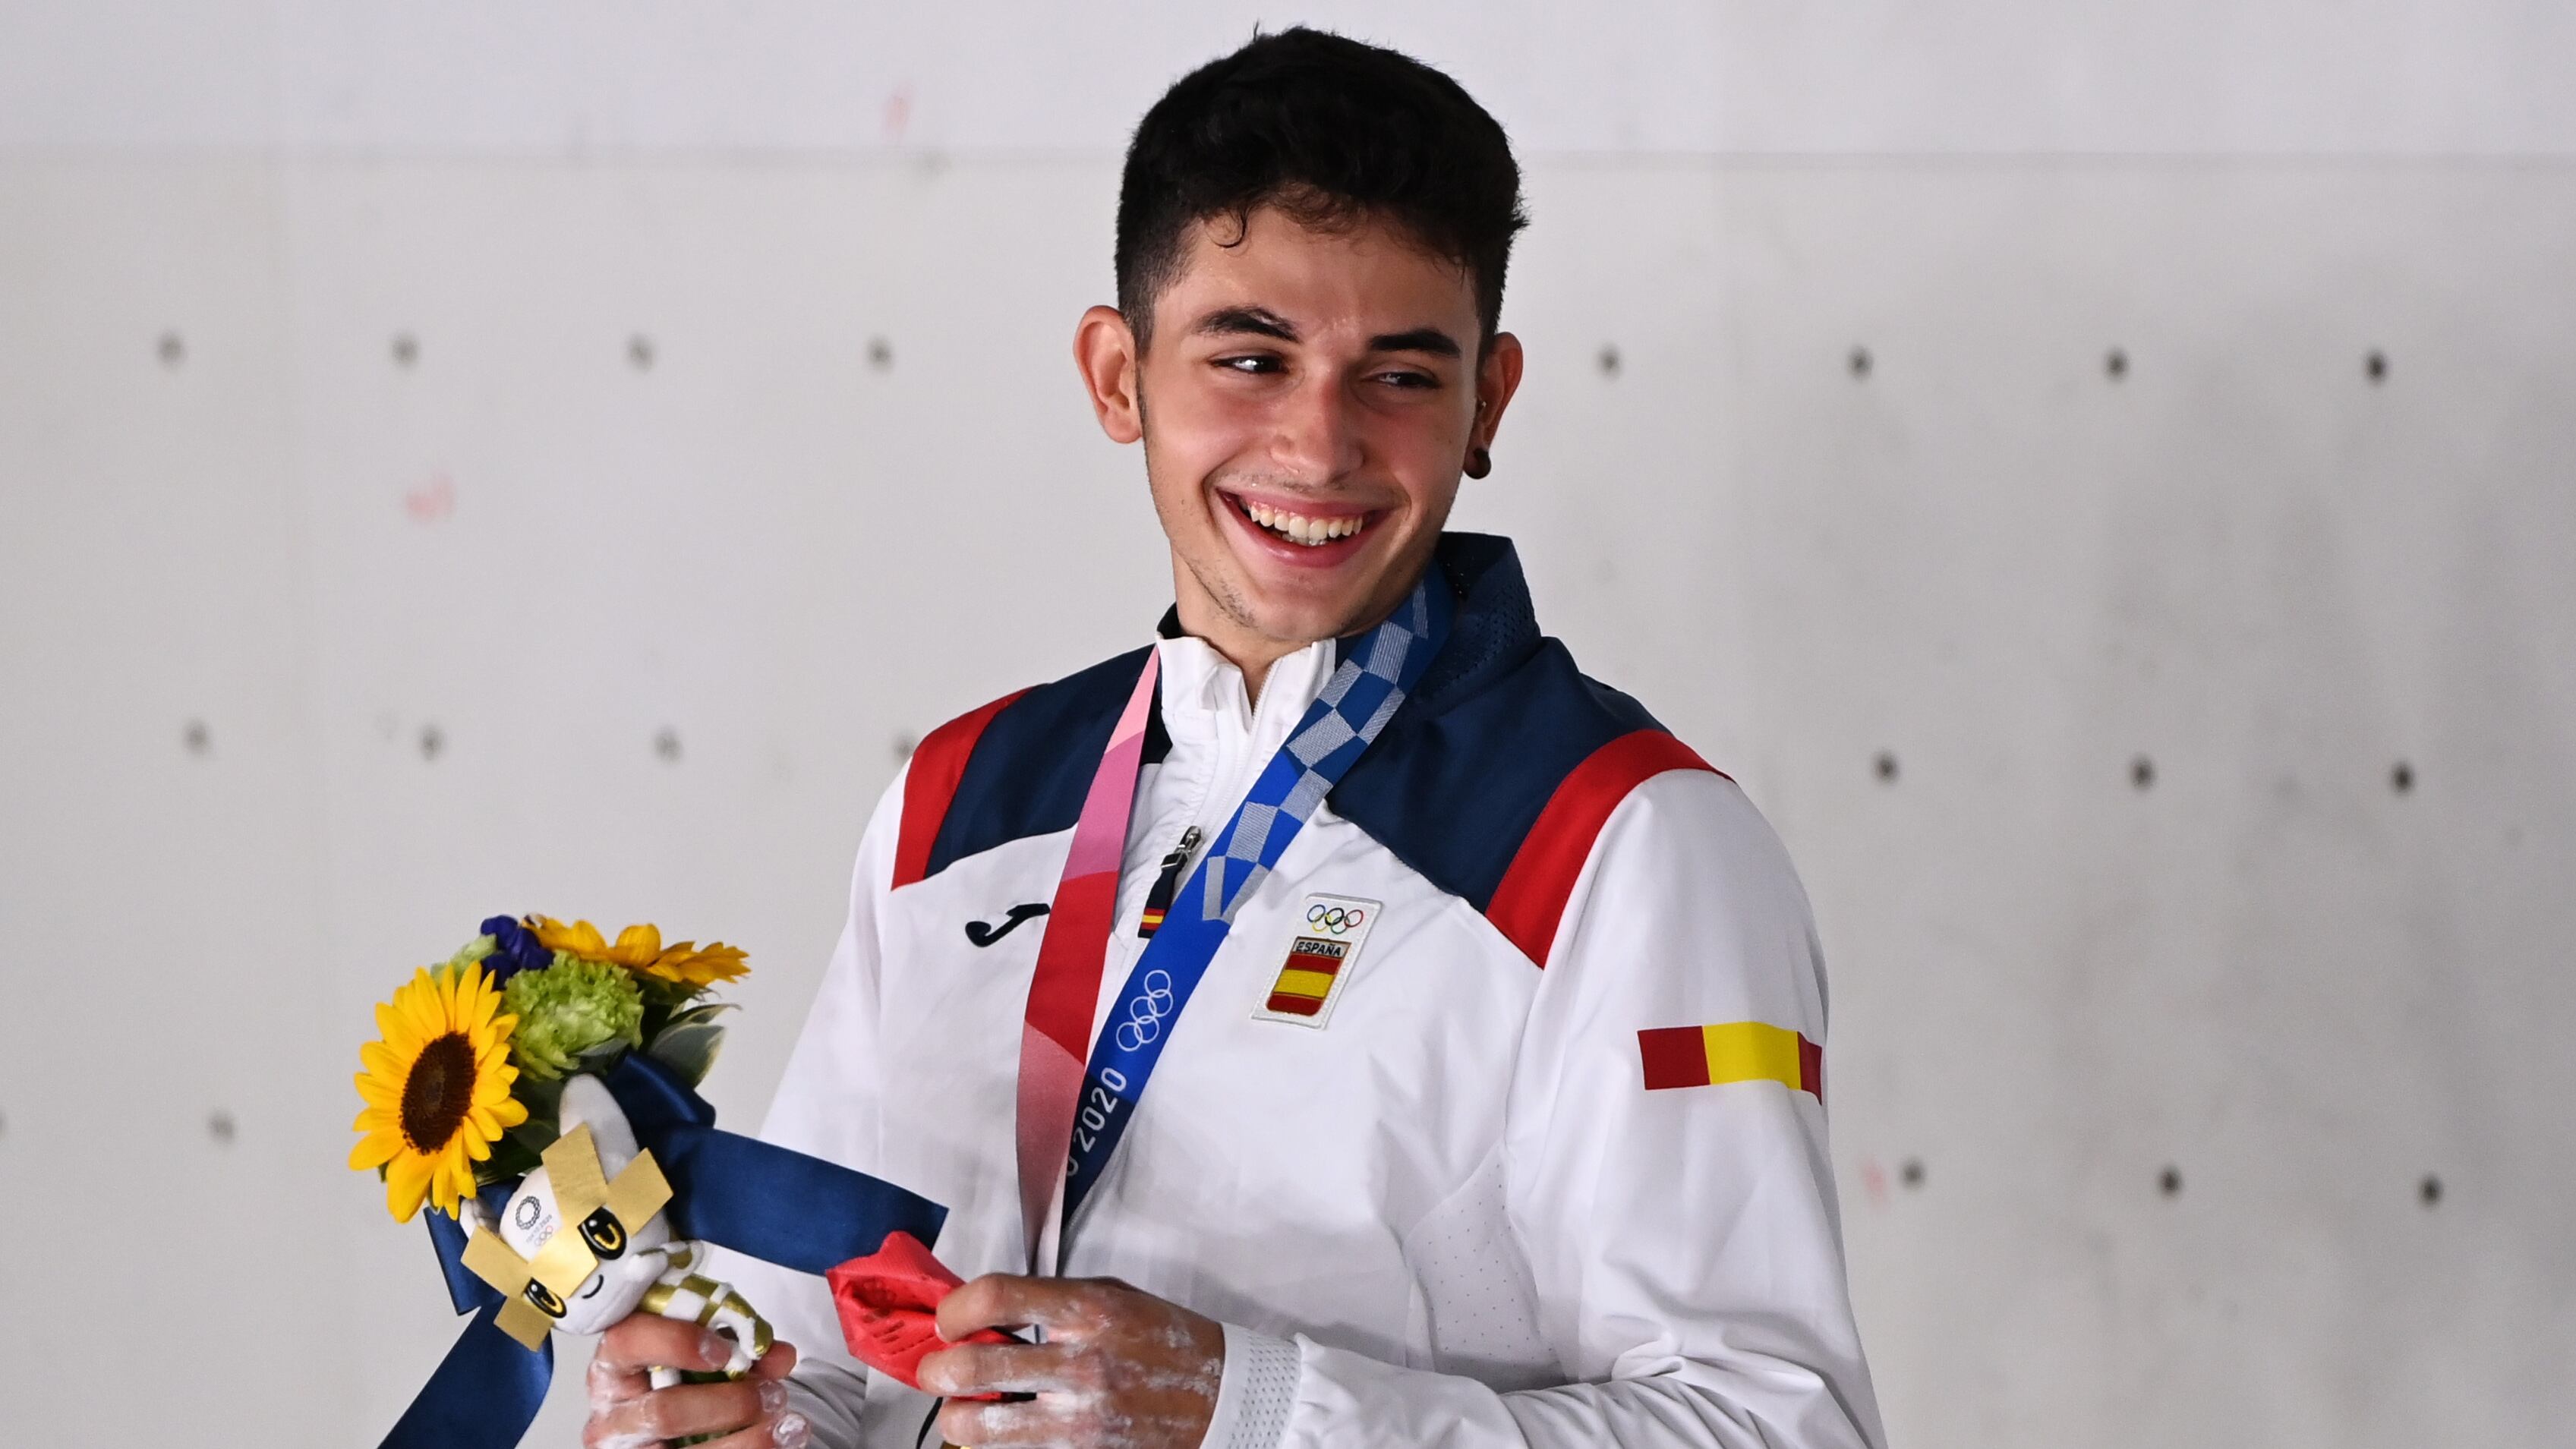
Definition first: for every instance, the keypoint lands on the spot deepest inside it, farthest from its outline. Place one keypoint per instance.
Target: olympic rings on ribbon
(1335, 919)
(1146, 1012)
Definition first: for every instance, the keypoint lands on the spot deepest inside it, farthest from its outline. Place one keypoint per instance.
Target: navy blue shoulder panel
(1034, 762)
(1499, 720)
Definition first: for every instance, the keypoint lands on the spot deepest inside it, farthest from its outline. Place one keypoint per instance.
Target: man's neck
(1235, 640)
(1249, 652)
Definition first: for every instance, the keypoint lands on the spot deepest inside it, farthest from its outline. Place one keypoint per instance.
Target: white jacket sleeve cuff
(1256, 1393)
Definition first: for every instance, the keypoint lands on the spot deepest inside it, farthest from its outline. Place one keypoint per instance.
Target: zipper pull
(1159, 899)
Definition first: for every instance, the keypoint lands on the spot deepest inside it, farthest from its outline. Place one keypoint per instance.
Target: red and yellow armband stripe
(1734, 1051)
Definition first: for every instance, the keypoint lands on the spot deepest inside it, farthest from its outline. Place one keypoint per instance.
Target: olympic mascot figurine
(618, 1256)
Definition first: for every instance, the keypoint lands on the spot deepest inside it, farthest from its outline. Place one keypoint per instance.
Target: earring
(1479, 462)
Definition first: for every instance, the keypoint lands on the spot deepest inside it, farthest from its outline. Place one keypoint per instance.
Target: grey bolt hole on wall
(406, 349)
(432, 741)
(667, 745)
(1911, 1174)
(173, 349)
(1860, 362)
(1609, 361)
(880, 354)
(219, 1126)
(639, 352)
(2169, 1182)
(197, 737)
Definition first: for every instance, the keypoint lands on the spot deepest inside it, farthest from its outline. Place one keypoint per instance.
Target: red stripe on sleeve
(1811, 1066)
(938, 763)
(1676, 1056)
(1532, 896)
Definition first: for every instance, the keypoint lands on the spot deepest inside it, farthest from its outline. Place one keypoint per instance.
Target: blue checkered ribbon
(1364, 693)
(1366, 690)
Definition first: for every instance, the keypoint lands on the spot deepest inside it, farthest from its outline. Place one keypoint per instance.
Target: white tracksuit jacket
(1456, 1213)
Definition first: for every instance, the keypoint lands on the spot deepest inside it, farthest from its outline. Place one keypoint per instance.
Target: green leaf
(658, 992)
(707, 1011)
(543, 1100)
(689, 1043)
(511, 1158)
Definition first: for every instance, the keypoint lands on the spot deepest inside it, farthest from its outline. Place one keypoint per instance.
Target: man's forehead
(1274, 274)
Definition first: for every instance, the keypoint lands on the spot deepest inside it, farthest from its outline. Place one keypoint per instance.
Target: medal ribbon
(1071, 954)
(1072, 1118)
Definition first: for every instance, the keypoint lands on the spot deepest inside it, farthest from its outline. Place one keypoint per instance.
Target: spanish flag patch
(1735, 1051)
(1320, 955)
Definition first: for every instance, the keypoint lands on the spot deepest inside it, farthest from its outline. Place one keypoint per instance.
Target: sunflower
(639, 949)
(437, 1088)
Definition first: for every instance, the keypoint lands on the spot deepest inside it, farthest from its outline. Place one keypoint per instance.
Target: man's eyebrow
(1262, 322)
(1259, 321)
(1420, 339)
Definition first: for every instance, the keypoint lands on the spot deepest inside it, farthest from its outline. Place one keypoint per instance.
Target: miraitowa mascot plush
(583, 1243)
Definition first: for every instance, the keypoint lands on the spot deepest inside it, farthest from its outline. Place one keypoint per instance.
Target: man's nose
(1317, 435)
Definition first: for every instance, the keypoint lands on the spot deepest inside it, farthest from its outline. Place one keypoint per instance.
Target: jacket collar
(1495, 626)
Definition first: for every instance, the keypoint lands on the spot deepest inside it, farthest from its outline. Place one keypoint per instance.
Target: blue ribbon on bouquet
(774, 1204)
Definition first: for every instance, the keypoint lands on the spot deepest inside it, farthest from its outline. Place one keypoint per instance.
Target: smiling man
(1340, 1021)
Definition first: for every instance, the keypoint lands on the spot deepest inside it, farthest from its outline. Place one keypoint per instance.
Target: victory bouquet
(465, 1087)
(537, 1093)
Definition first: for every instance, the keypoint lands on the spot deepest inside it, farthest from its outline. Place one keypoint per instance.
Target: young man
(1340, 1022)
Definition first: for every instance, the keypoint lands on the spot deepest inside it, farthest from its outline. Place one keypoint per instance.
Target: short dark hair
(1332, 131)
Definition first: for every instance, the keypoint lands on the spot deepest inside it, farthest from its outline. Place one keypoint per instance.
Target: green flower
(569, 1009)
(473, 951)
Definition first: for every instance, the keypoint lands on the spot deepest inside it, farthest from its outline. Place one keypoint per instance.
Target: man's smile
(1306, 532)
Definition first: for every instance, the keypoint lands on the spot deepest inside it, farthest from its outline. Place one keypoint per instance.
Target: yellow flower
(686, 965)
(639, 949)
(635, 949)
(437, 1088)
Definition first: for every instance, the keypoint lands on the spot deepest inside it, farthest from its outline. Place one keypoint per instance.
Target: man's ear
(1498, 376)
(1104, 350)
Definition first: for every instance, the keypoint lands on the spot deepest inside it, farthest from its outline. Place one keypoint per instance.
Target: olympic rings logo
(1146, 1012)
(1336, 919)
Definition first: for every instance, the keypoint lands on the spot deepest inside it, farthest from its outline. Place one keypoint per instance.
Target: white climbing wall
(2099, 475)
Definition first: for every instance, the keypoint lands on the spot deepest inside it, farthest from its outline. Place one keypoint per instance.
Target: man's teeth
(1299, 528)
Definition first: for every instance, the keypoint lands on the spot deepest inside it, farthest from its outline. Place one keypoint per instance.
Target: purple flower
(514, 949)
